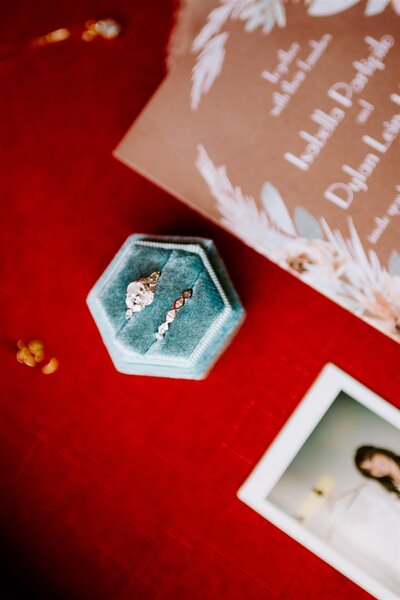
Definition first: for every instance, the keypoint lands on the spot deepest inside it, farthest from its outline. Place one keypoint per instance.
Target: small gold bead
(50, 367)
(29, 360)
(59, 35)
(35, 346)
(39, 356)
(88, 36)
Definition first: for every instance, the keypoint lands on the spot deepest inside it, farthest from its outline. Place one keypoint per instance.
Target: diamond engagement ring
(171, 314)
(140, 293)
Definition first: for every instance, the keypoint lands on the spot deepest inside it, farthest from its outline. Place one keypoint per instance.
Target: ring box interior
(203, 326)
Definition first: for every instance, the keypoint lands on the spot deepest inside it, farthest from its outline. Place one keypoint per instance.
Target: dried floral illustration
(337, 266)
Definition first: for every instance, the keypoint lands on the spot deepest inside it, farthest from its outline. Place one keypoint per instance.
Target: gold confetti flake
(32, 353)
(50, 367)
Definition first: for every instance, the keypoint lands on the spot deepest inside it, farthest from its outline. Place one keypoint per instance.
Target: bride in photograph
(381, 465)
(364, 524)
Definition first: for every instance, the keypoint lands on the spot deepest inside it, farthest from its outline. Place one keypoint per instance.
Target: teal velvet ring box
(202, 327)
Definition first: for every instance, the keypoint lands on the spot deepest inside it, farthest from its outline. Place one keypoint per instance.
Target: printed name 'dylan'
(342, 194)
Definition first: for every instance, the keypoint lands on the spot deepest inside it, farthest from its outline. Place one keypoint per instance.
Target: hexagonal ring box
(203, 326)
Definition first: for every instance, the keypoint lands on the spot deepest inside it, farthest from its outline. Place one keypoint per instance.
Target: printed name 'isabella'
(328, 124)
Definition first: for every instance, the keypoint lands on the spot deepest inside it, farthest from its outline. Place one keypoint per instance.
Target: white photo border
(255, 490)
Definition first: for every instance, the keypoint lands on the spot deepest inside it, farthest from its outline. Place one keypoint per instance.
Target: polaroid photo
(331, 480)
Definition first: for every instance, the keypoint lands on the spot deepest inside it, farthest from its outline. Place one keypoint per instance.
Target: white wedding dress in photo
(365, 528)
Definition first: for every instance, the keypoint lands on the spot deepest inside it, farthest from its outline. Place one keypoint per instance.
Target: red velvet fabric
(120, 487)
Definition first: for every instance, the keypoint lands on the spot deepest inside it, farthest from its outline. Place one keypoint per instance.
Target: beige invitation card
(282, 124)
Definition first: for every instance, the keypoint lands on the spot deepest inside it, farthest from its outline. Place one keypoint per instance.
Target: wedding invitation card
(282, 124)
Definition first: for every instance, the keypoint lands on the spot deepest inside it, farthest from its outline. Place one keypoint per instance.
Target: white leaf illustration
(209, 45)
(394, 263)
(323, 8)
(207, 67)
(276, 209)
(374, 7)
(280, 14)
(263, 13)
(307, 225)
(239, 213)
(217, 19)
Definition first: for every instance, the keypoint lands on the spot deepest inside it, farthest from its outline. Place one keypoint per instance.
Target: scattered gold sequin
(35, 346)
(105, 28)
(39, 356)
(50, 367)
(59, 35)
(32, 353)
(25, 357)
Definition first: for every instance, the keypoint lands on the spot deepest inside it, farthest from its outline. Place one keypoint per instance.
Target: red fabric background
(119, 487)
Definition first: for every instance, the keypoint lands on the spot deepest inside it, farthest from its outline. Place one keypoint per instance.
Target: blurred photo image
(337, 487)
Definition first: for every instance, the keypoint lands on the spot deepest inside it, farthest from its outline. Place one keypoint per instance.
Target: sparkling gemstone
(128, 313)
(163, 328)
(170, 316)
(138, 294)
(129, 301)
(134, 288)
(154, 276)
(179, 303)
(108, 28)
